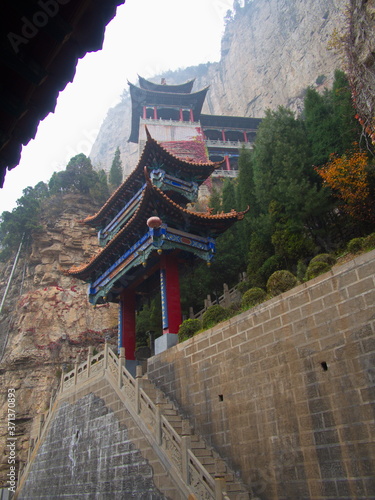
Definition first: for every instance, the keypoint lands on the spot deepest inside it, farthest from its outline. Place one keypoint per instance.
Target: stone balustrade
(186, 468)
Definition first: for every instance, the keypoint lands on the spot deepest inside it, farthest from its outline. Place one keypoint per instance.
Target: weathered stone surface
(95, 458)
(47, 320)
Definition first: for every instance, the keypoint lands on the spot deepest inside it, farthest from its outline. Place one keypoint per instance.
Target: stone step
(207, 456)
(202, 452)
(195, 445)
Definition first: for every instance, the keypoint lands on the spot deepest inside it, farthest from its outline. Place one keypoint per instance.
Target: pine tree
(115, 174)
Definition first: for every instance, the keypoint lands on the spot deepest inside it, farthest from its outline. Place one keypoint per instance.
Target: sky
(145, 38)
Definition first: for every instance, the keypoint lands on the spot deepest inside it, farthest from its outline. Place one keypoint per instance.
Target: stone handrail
(177, 448)
(188, 466)
(229, 296)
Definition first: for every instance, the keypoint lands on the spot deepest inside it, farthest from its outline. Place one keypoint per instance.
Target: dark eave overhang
(37, 63)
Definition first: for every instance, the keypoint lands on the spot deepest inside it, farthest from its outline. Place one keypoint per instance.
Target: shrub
(316, 268)
(369, 242)
(253, 297)
(301, 270)
(272, 264)
(324, 257)
(280, 281)
(188, 328)
(243, 286)
(355, 245)
(213, 315)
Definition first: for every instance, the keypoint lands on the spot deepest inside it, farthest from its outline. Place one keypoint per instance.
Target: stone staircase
(209, 458)
(195, 469)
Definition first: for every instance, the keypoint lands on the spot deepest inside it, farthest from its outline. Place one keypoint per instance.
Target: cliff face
(272, 51)
(47, 320)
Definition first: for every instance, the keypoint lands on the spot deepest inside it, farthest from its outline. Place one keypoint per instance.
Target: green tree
(100, 190)
(23, 220)
(80, 174)
(330, 120)
(115, 173)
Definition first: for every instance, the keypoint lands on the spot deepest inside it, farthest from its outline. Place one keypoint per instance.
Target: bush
(355, 245)
(280, 281)
(369, 242)
(253, 297)
(301, 270)
(188, 328)
(272, 264)
(316, 268)
(213, 315)
(243, 286)
(324, 257)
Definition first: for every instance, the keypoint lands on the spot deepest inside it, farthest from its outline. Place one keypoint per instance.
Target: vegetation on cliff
(78, 177)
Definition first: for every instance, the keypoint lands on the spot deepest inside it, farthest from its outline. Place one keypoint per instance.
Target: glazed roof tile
(153, 150)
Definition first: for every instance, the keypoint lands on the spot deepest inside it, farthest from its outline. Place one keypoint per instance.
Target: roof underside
(141, 97)
(183, 88)
(37, 63)
(229, 121)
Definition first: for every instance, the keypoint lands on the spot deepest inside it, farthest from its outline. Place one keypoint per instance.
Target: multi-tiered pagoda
(146, 228)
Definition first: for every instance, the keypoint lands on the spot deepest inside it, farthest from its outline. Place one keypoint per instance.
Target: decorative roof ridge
(135, 171)
(201, 91)
(167, 84)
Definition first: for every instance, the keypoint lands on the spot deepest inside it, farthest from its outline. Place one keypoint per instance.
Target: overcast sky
(146, 37)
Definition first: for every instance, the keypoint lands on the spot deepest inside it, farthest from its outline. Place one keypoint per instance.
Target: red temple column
(144, 112)
(223, 138)
(245, 137)
(170, 294)
(227, 162)
(191, 115)
(127, 323)
(155, 113)
(181, 115)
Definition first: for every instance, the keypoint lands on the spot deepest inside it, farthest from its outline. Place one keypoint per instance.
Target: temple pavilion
(148, 227)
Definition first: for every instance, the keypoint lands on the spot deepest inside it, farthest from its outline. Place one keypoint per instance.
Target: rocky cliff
(47, 321)
(272, 50)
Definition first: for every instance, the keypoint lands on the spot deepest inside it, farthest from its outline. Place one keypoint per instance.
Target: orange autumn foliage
(347, 176)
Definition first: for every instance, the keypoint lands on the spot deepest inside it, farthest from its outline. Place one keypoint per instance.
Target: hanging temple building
(148, 227)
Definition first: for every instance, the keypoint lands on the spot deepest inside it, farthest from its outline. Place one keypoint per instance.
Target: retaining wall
(285, 391)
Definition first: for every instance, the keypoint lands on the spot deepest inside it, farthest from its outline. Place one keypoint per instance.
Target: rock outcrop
(271, 52)
(47, 321)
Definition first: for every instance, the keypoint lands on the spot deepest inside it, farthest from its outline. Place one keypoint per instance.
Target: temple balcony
(228, 144)
(228, 174)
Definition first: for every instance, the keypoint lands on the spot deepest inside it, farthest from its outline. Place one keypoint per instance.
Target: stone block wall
(285, 391)
(94, 450)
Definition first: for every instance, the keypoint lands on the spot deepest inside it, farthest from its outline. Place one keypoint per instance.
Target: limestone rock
(47, 321)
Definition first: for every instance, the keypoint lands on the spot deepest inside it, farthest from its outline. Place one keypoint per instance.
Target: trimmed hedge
(214, 315)
(188, 329)
(281, 281)
(253, 297)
